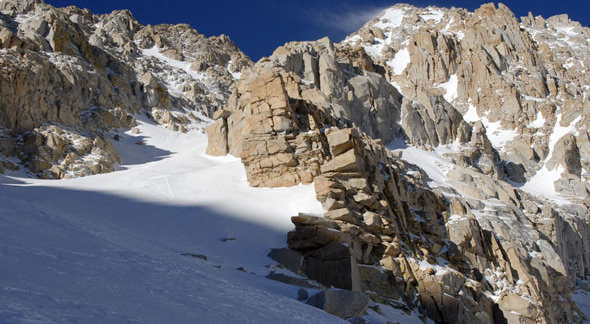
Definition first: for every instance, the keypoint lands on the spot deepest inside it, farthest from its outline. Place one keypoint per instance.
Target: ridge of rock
(469, 239)
(71, 79)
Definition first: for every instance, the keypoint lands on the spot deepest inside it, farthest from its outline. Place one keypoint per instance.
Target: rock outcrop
(382, 220)
(70, 79)
(342, 303)
(524, 80)
(463, 241)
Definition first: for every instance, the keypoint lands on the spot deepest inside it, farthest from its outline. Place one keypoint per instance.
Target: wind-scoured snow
(183, 65)
(446, 29)
(531, 98)
(129, 246)
(431, 162)
(435, 15)
(391, 18)
(569, 30)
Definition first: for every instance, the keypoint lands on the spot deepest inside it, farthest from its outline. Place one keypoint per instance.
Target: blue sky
(258, 27)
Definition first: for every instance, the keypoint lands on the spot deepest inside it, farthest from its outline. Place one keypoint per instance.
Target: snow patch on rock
(400, 61)
(391, 18)
(450, 88)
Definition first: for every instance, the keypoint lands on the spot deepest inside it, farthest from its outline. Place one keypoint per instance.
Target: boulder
(332, 265)
(517, 309)
(345, 162)
(288, 258)
(341, 303)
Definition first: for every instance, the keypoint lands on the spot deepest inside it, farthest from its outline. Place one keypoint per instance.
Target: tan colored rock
(223, 113)
(516, 307)
(217, 138)
(342, 214)
(372, 220)
(345, 162)
(340, 140)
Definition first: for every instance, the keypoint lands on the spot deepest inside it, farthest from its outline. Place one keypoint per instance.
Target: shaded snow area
(173, 236)
(582, 299)
(393, 315)
(109, 248)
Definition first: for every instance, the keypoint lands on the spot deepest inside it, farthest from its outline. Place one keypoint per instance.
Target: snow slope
(109, 248)
(582, 299)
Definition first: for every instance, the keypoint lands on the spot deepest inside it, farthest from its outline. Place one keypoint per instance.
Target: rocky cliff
(449, 149)
(70, 79)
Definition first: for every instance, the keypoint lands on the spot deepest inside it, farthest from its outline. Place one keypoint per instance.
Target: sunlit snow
(109, 248)
(450, 88)
(435, 15)
(497, 135)
(391, 18)
(538, 122)
(431, 162)
(183, 65)
(400, 61)
(471, 114)
(542, 184)
(559, 132)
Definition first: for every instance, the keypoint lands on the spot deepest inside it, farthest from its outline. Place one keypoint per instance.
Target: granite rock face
(524, 79)
(447, 217)
(69, 80)
(382, 213)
